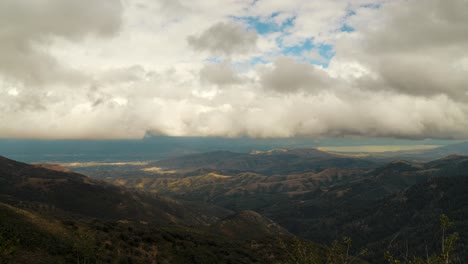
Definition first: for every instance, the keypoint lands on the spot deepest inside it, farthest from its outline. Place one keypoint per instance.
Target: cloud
(219, 74)
(290, 76)
(87, 69)
(425, 25)
(27, 29)
(411, 47)
(172, 8)
(224, 39)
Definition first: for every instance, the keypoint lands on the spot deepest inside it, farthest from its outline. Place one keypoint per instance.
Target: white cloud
(111, 70)
(411, 47)
(26, 29)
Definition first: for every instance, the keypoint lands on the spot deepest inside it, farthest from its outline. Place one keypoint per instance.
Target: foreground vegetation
(342, 251)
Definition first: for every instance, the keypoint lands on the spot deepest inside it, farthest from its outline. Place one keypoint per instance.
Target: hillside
(389, 207)
(52, 215)
(29, 185)
(409, 219)
(393, 201)
(243, 191)
(251, 223)
(394, 206)
(32, 238)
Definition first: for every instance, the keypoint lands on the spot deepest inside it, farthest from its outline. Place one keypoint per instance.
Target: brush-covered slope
(252, 224)
(52, 215)
(67, 191)
(243, 191)
(409, 220)
(31, 238)
(396, 206)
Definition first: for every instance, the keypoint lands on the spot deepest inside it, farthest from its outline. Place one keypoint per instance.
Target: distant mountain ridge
(453, 149)
(275, 162)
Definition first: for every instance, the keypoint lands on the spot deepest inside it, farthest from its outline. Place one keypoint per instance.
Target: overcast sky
(258, 68)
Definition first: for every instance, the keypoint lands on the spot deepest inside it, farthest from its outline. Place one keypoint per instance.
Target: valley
(233, 132)
(232, 207)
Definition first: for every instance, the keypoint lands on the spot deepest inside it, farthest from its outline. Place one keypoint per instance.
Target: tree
(446, 255)
(305, 252)
(340, 252)
(85, 247)
(299, 251)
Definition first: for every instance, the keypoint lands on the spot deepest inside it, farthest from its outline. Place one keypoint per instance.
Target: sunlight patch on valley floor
(382, 148)
(96, 164)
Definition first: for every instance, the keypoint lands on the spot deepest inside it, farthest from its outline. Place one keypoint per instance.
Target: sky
(112, 69)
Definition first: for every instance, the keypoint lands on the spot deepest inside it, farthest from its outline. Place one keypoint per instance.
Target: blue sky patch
(265, 26)
(326, 52)
(258, 60)
(298, 50)
(260, 26)
(346, 28)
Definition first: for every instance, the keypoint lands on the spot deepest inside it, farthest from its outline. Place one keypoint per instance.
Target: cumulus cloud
(290, 76)
(107, 70)
(412, 47)
(219, 74)
(425, 25)
(224, 39)
(28, 27)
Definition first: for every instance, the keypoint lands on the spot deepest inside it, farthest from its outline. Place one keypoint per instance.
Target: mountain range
(227, 207)
(50, 214)
(384, 206)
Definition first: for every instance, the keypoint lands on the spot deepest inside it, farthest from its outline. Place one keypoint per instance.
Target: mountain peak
(455, 157)
(398, 165)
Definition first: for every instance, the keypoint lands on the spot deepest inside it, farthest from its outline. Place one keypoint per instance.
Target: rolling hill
(50, 214)
(33, 185)
(380, 207)
(386, 207)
